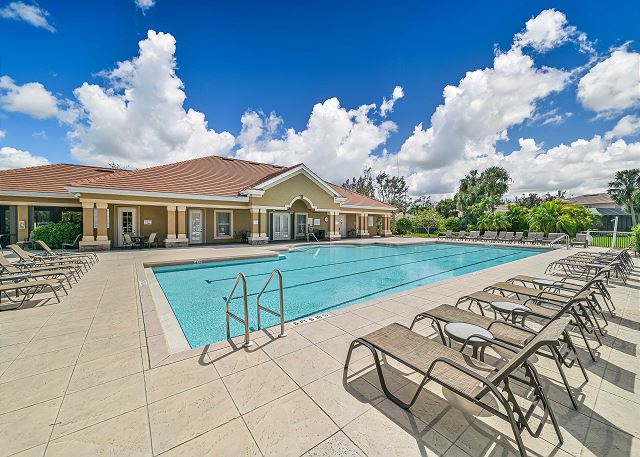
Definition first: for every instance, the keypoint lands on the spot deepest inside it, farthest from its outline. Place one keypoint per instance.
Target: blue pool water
(316, 280)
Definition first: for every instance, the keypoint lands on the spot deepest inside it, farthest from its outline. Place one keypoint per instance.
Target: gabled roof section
(602, 198)
(208, 176)
(266, 183)
(47, 179)
(356, 200)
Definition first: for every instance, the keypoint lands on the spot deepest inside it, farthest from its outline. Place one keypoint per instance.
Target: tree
(488, 187)
(424, 201)
(447, 207)
(621, 189)
(362, 185)
(556, 216)
(528, 201)
(518, 217)
(428, 217)
(496, 220)
(401, 226)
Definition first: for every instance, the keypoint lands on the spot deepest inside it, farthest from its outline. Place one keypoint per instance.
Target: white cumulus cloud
(31, 14)
(545, 31)
(16, 158)
(32, 99)
(612, 85)
(386, 107)
(145, 4)
(629, 125)
(139, 118)
(337, 142)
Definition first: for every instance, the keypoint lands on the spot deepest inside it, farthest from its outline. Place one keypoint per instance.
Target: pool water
(317, 279)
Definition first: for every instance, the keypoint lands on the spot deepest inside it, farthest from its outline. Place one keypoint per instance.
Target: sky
(427, 90)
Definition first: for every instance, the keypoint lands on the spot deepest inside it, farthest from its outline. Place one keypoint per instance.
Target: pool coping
(166, 342)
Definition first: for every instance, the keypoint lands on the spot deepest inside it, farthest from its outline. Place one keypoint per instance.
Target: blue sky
(285, 57)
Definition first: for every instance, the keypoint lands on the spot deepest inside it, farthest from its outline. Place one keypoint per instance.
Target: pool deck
(95, 375)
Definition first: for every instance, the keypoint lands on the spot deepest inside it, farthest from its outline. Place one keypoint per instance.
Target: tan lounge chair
(87, 259)
(42, 273)
(28, 289)
(39, 261)
(476, 381)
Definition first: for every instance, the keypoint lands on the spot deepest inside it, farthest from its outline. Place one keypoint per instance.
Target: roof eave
(143, 193)
(19, 193)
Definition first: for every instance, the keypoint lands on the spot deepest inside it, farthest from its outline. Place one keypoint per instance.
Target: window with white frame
(95, 218)
(224, 220)
(370, 221)
(301, 224)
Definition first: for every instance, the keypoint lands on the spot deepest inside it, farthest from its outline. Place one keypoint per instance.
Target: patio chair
(512, 334)
(580, 240)
(88, 258)
(532, 237)
(446, 235)
(9, 268)
(489, 235)
(502, 236)
(152, 240)
(32, 260)
(518, 237)
(128, 241)
(508, 238)
(473, 235)
(75, 244)
(28, 289)
(476, 381)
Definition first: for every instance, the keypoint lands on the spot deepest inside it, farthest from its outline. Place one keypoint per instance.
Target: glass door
(195, 226)
(127, 223)
(281, 226)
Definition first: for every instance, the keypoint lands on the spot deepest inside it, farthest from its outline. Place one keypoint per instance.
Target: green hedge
(56, 233)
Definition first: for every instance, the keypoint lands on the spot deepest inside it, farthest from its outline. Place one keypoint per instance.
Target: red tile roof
(212, 176)
(47, 178)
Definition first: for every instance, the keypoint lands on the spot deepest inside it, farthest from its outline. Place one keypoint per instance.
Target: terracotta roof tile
(354, 198)
(211, 175)
(47, 178)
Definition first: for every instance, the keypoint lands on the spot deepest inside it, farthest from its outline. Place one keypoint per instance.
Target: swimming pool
(317, 279)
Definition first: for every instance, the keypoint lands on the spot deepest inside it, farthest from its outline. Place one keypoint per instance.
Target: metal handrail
(245, 321)
(269, 310)
(558, 240)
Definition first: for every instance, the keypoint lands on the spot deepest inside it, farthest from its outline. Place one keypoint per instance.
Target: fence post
(615, 231)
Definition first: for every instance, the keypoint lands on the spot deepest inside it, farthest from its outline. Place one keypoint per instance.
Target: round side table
(463, 332)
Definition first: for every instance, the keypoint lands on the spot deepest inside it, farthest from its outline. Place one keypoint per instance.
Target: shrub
(428, 217)
(56, 233)
(635, 234)
(402, 226)
(453, 223)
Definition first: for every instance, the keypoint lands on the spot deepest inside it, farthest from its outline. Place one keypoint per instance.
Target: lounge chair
(476, 381)
(71, 245)
(533, 237)
(28, 289)
(552, 237)
(489, 236)
(446, 235)
(579, 266)
(508, 333)
(508, 238)
(9, 268)
(152, 241)
(473, 235)
(88, 258)
(518, 237)
(502, 236)
(580, 240)
(32, 260)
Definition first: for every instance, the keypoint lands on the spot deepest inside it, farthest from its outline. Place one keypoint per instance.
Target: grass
(622, 241)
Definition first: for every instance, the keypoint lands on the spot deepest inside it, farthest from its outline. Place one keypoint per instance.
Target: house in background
(206, 200)
(603, 205)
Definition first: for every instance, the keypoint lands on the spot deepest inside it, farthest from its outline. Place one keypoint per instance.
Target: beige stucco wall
(241, 221)
(283, 193)
(300, 206)
(158, 217)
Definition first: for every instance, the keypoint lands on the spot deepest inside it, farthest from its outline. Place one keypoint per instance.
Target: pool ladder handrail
(245, 321)
(269, 310)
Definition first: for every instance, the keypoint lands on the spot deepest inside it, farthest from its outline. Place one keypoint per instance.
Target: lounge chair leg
(563, 376)
(579, 324)
(545, 402)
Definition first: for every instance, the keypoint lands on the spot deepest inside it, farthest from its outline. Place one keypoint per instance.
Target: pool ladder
(245, 321)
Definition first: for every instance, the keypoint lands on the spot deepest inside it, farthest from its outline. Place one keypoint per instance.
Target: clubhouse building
(201, 201)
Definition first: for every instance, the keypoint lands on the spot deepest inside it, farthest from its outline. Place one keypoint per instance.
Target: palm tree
(621, 189)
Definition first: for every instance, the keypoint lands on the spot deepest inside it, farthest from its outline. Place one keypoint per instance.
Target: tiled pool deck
(93, 376)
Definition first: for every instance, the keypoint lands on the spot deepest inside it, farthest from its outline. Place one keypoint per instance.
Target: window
(224, 220)
(370, 221)
(301, 224)
(95, 218)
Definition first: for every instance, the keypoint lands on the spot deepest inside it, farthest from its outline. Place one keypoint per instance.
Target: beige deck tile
(37, 451)
(230, 439)
(373, 313)
(34, 389)
(338, 445)
(12, 337)
(62, 328)
(124, 435)
(41, 363)
(177, 377)
(232, 360)
(276, 347)
(604, 440)
(8, 353)
(94, 349)
(308, 364)
(54, 343)
(388, 430)
(289, 426)
(319, 331)
(343, 399)
(105, 369)
(27, 427)
(188, 414)
(258, 385)
(618, 412)
(349, 321)
(99, 403)
(338, 348)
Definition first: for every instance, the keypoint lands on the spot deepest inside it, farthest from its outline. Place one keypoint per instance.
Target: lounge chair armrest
(481, 379)
(492, 341)
(510, 325)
